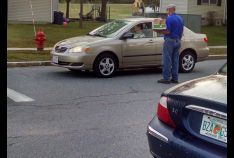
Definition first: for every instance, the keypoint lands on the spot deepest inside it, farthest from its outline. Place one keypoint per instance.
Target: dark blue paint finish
(180, 144)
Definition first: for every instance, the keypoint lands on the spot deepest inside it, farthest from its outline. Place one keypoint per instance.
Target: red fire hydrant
(40, 39)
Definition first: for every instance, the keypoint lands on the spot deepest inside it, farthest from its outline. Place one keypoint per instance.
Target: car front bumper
(166, 142)
(79, 61)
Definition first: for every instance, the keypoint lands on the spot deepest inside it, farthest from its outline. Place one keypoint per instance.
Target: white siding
(19, 10)
(202, 10)
(55, 5)
(181, 6)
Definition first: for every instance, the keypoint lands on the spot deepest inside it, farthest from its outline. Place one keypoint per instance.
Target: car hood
(79, 41)
(213, 87)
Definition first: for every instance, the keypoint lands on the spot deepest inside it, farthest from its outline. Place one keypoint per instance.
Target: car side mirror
(127, 35)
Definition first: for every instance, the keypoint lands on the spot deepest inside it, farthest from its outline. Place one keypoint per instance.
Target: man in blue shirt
(171, 46)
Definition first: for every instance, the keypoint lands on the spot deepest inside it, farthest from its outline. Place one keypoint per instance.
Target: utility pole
(81, 13)
(67, 9)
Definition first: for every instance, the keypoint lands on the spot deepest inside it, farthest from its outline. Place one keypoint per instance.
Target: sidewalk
(217, 47)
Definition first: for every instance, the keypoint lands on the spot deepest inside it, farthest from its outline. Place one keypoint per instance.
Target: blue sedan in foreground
(191, 119)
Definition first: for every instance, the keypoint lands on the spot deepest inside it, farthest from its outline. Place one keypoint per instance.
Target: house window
(209, 2)
(205, 1)
(213, 2)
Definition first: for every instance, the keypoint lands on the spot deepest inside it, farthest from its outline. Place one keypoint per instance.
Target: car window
(142, 30)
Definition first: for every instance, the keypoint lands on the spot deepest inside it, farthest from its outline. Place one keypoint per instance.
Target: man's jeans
(171, 49)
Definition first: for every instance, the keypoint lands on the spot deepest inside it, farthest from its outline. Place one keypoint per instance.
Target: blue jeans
(171, 49)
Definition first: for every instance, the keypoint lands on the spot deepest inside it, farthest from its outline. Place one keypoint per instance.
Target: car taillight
(206, 39)
(163, 113)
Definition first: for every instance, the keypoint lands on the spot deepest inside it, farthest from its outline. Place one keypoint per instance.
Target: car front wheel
(105, 65)
(187, 62)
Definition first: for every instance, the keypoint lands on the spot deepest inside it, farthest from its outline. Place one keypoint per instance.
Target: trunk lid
(199, 107)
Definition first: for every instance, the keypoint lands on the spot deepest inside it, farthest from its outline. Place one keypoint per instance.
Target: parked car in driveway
(115, 46)
(191, 119)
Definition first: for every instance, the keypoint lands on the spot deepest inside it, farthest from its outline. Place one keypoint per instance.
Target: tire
(187, 62)
(105, 66)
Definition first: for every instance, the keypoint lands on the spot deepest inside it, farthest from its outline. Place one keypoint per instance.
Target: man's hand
(161, 31)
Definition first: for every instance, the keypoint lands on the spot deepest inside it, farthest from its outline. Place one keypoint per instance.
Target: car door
(140, 51)
(159, 47)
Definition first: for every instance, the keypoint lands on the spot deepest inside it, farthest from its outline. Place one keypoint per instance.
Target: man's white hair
(171, 6)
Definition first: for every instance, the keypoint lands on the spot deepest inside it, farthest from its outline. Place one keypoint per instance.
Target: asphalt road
(76, 115)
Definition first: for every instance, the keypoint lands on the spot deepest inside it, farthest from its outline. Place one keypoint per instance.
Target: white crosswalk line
(18, 97)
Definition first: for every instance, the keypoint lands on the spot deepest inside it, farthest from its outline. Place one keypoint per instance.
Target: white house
(199, 7)
(20, 10)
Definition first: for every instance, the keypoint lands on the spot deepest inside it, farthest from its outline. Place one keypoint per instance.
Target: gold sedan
(127, 43)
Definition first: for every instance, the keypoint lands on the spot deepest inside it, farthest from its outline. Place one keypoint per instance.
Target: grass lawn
(28, 56)
(217, 35)
(22, 35)
(117, 11)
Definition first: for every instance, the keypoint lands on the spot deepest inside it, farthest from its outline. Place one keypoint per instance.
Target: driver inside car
(138, 33)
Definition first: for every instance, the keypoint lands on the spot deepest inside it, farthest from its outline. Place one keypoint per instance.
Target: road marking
(18, 97)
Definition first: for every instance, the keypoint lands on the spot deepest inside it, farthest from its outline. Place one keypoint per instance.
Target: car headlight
(79, 49)
(76, 49)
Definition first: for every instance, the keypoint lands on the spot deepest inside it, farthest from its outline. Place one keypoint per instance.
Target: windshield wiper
(99, 35)
(96, 34)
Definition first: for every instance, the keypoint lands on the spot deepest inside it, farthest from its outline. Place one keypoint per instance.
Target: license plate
(55, 59)
(214, 128)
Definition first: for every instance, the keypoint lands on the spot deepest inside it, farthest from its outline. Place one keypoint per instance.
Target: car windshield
(110, 29)
(223, 70)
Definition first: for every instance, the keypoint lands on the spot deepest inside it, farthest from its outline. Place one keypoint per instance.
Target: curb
(30, 63)
(48, 63)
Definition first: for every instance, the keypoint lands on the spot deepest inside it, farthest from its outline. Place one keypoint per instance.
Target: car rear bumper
(166, 142)
(202, 54)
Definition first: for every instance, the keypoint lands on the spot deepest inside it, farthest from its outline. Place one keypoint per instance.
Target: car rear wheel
(187, 62)
(105, 65)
